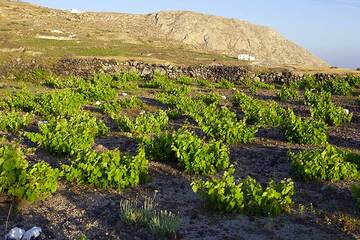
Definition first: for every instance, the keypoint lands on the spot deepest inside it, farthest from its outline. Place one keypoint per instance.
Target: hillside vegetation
(178, 37)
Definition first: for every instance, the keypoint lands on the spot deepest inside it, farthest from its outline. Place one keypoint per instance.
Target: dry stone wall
(86, 67)
(90, 66)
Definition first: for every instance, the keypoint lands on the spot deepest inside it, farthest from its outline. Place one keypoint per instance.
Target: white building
(246, 57)
(76, 11)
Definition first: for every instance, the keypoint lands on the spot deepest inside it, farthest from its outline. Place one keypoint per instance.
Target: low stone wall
(86, 67)
(89, 66)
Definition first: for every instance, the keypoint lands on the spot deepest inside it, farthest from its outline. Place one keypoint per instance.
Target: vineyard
(123, 157)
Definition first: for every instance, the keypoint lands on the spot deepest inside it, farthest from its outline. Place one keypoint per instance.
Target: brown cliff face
(231, 37)
(181, 30)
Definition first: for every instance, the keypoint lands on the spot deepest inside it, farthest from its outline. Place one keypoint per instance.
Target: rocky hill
(229, 36)
(25, 26)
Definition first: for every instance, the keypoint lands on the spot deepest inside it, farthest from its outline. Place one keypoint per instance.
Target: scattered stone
(15, 234)
(32, 233)
(20, 234)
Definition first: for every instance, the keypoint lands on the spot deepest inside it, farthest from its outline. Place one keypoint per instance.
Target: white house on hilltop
(246, 57)
(76, 11)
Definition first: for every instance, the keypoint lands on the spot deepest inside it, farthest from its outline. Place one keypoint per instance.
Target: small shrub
(209, 98)
(59, 103)
(174, 114)
(337, 86)
(224, 84)
(259, 112)
(68, 136)
(353, 80)
(247, 196)
(323, 109)
(109, 169)
(96, 92)
(191, 153)
(185, 80)
(256, 84)
(54, 103)
(247, 82)
(113, 108)
(288, 93)
(160, 148)
(190, 107)
(173, 96)
(126, 80)
(159, 81)
(222, 124)
(60, 83)
(129, 76)
(21, 101)
(131, 103)
(148, 123)
(309, 82)
(178, 91)
(203, 82)
(325, 164)
(196, 156)
(14, 121)
(19, 180)
(39, 74)
(304, 131)
(53, 83)
(35, 75)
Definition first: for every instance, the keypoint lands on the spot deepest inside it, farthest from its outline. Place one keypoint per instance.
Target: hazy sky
(328, 28)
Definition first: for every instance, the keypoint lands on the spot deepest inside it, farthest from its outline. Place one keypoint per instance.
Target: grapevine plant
(68, 135)
(259, 112)
(109, 169)
(192, 153)
(323, 109)
(148, 123)
(304, 131)
(11, 121)
(222, 124)
(288, 93)
(19, 180)
(326, 164)
(246, 196)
